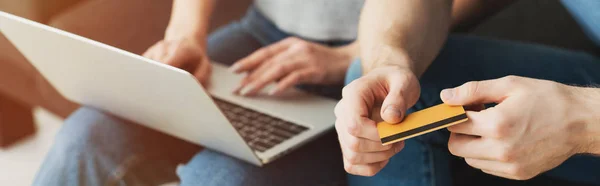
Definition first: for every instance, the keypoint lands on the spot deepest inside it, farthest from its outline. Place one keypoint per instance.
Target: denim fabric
(425, 159)
(96, 148)
(587, 14)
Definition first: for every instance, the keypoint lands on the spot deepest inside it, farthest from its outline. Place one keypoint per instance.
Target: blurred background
(31, 111)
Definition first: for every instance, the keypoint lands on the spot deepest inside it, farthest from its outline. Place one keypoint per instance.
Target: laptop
(257, 130)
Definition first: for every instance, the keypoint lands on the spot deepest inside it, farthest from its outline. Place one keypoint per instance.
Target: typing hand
(290, 62)
(182, 53)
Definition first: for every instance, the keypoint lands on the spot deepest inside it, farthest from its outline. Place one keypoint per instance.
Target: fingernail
(447, 94)
(393, 111)
(246, 89)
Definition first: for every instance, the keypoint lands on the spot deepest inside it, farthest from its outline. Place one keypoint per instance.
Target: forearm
(407, 33)
(190, 19)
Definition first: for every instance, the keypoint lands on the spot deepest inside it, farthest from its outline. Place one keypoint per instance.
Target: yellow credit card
(421, 122)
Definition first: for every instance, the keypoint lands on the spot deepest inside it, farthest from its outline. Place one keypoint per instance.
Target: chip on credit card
(421, 122)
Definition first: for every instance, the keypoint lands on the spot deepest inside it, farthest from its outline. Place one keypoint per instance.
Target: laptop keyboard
(260, 131)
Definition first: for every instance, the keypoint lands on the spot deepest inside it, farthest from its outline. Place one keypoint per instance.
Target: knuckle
(453, 150)
(470, 162)
(267, 51)
(353, 128)
(371, 171)
(292, 38)
(519, 173)
(389, 153)
(279, 67)
(338, 112)
(506, 155)
(354, 158)
(349, 89)
(511, 80)
(354, 144)
(500, 125)
(471, 88)
(402, 77)
(303, 46)
(348, 167)
(513, 170)
(452, 147)
(338, 124)
(388, 148)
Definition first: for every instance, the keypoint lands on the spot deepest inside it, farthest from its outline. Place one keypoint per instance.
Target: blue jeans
(96, 148)
(425, 160)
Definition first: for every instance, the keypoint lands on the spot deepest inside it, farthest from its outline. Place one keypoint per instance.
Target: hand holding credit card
(421, 122)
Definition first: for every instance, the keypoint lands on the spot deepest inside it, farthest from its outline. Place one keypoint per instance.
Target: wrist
(386, 56)
(587, 117)
(197, 36)
(350, 51)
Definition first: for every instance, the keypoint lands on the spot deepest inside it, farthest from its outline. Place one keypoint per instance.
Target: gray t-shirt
(314, 19)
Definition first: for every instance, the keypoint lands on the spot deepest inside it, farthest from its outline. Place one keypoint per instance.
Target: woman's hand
(184, 53)
(290, 62)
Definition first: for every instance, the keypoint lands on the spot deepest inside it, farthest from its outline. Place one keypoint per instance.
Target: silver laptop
(257, 130)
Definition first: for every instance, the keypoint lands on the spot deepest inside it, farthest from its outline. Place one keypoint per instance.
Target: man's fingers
(474, 126)
(401, 95)
(260, 56)
(478, 92)
(394, 106)
(364, 169)
(502, 169)
(359, 127)
(472, 147)
(358, 144)
(369, 157)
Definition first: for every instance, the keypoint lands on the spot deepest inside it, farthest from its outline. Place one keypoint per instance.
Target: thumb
(475, 92)
(398, 99)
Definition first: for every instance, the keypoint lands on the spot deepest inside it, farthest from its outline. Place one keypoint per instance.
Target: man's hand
(292, 61)
(536, 125)
(186, 54)
(394, 89)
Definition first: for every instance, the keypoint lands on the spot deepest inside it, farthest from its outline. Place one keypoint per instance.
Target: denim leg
(94, 148)
(317, 163)
(587, 15)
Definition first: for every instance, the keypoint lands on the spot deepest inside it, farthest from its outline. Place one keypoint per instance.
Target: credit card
(421, 122)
